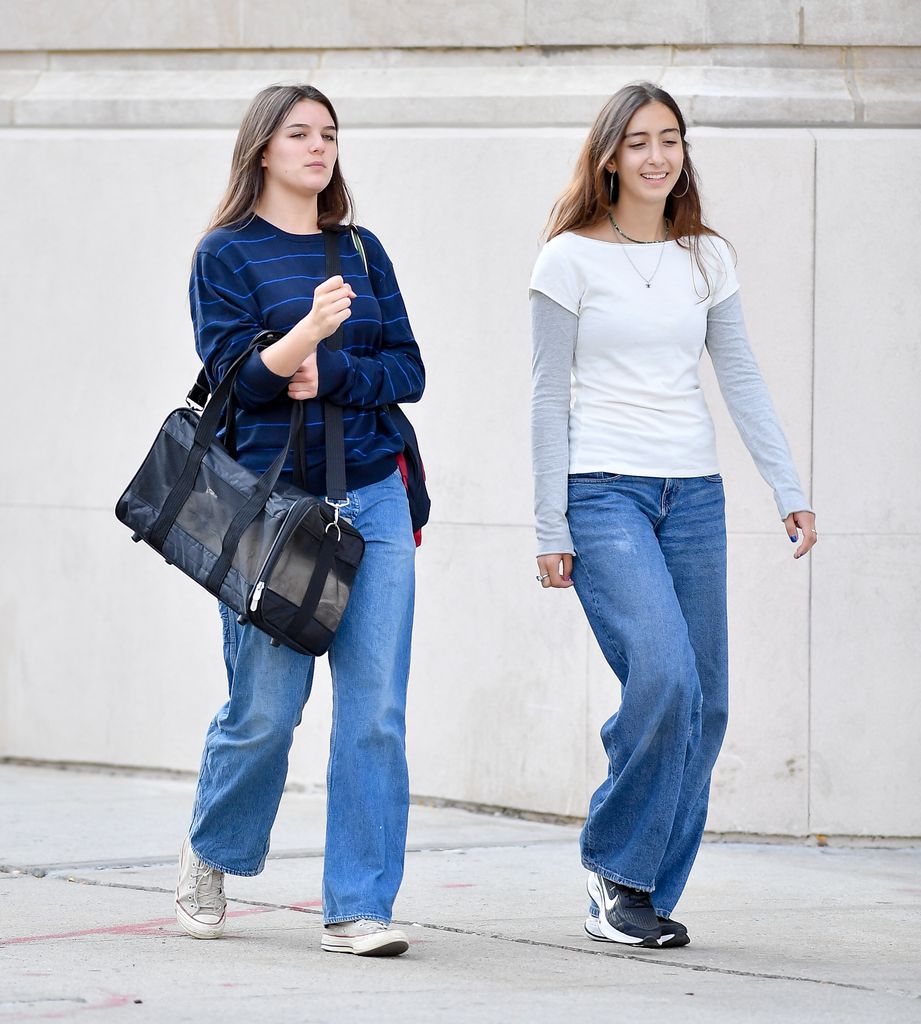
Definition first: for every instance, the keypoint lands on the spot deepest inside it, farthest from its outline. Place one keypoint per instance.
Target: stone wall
(460, 125)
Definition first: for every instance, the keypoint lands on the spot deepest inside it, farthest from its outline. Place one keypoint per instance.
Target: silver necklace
(646, 280)
(636, 241)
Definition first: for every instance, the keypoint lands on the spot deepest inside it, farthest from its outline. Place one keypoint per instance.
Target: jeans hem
(225, 870)
(357, 916)
(662, 912)
(612, 876)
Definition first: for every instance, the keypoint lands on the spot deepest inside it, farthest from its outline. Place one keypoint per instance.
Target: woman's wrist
(306, 334)
(288, 353)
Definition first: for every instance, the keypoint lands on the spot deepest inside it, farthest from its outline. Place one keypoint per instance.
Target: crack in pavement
(650, 958)
(41, 870)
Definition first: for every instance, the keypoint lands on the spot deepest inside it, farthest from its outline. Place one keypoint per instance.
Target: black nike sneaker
(627, 915)
(674, 933)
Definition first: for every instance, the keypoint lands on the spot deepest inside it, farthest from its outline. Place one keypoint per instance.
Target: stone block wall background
(460, 125)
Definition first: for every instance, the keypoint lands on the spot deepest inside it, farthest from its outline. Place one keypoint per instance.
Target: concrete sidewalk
(493, 907)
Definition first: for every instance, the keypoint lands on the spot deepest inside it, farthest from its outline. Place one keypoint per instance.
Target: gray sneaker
(364, 938)
(200, 902)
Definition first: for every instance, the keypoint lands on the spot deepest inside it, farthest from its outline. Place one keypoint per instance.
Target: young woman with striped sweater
(261, 266)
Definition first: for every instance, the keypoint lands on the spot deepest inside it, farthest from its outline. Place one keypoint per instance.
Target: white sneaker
(593, 929)
(364, 938)
(200, 902)
(673, 932)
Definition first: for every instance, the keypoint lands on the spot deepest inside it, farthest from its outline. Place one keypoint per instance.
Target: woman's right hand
(332, 305)
(555, 570)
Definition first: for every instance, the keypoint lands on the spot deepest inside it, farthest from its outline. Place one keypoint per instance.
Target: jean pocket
(714, 478)
(593, 478)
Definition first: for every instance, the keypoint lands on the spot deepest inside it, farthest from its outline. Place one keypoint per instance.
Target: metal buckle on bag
(337, 506)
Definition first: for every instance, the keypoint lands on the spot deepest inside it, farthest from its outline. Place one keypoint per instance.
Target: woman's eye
(330, 138)
(637, 145)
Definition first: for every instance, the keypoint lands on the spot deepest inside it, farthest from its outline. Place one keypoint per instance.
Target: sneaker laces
(366, 926)
(207, 890)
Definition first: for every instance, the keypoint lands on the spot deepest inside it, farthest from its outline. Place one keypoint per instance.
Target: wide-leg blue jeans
(650, 572)
(245, 760)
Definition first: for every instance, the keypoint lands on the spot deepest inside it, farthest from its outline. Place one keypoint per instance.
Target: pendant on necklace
(647, 284)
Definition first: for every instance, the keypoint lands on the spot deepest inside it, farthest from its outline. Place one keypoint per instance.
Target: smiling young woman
(630, 288)
(262, 266)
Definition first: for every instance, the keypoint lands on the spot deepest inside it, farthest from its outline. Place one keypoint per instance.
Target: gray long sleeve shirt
(555, 332)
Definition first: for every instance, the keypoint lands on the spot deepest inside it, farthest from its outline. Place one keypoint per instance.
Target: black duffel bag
(281, 558)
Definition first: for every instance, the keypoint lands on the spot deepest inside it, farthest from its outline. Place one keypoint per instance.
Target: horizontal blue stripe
(284, 427)
(244, 241)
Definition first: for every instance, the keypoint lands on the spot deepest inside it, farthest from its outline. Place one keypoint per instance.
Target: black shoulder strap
(205, 433)
(336, 484)
(199, 392)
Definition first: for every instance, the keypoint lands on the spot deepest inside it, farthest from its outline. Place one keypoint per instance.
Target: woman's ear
(611, 167)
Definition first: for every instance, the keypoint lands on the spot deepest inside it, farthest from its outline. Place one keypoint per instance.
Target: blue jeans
(650, 571)
(245, 760)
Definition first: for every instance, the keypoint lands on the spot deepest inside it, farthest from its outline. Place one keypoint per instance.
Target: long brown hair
(260, 122)
(593, 189)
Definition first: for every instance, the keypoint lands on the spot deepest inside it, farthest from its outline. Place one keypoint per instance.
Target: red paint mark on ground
(111, 1002)
(139, 928)
(458, 885)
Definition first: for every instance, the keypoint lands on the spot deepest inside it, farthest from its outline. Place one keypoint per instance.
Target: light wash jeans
(650, 571)
(245, 760)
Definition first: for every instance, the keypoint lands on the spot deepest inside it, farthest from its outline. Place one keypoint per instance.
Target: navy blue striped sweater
(252, 277)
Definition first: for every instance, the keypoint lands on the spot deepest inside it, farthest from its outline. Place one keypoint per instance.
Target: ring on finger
(540, 579)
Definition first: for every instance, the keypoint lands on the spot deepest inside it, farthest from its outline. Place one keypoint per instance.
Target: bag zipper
(292, 520)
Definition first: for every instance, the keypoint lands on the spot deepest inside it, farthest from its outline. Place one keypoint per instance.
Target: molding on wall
(528, 94)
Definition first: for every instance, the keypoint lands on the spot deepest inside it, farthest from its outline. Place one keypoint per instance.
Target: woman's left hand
(305, 382)
(806, 522)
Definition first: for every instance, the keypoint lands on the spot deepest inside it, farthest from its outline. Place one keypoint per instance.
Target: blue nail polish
(793, 537)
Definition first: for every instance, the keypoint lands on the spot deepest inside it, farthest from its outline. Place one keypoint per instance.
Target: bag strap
(360, 249)
(201, 389)
(336, 483)
(253, 505)
(326, 560)
(205, 434)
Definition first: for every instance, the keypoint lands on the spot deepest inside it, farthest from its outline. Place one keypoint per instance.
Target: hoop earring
(611, 189)
(675, 195)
